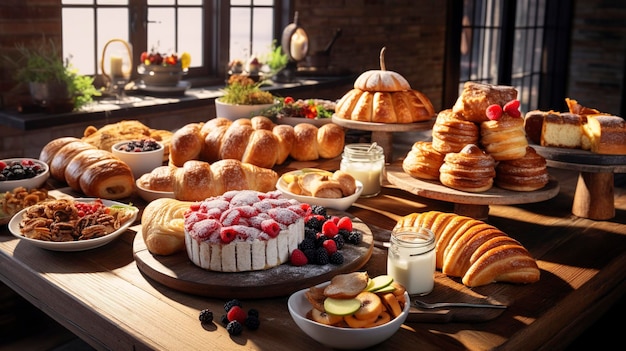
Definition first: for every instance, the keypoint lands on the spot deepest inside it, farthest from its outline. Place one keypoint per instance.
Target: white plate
(150, 195)
(14, 227)
(341, 204)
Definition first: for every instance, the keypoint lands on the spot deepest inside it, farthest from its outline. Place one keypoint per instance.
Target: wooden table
(102, 296)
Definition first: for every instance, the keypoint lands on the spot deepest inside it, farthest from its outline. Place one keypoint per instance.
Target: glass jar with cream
(366, 163)
(411, 259)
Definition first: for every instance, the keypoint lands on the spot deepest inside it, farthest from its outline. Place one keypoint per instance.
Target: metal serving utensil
(425, 305)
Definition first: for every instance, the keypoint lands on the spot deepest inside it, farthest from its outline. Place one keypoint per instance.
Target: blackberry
(307, 244)
(310, 255)
(224, 320)
(234, 302)
(253, 322)
(321, 256)
(310, 233)
(320, 240)
(253, 312)
(339, 241)
(354, 237)
(320, 210)
(206, 316)
(315, 224)
(344, 233)
(336, 258)
(234, 328)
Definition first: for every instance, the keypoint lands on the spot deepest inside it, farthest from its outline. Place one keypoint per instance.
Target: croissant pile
(257, 141)
(475, 251)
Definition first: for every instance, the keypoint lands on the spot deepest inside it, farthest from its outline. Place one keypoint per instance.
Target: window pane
(161, 2)
(240, 2)
(190, 36)
(112, 2)
(262, 31)
(106, 31)
(77, 2)
(263, 2)
(239, 33)
(78, 44)
(161, 33)
(189, 2)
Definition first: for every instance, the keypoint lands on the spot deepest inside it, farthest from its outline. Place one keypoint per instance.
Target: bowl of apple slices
(352, 311)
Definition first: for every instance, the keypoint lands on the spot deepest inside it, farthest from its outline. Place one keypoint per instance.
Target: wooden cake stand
(594, 195)
(475, 205)
(382, 133)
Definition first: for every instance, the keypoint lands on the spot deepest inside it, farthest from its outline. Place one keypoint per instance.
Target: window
(512, 43)
(213, 31)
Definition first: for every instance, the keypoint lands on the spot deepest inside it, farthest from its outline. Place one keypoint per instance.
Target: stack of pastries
(483, 129)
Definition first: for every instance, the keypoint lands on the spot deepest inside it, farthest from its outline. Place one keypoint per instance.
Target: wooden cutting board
(178, 272)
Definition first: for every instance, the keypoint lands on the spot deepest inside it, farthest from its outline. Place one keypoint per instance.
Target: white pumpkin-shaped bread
(381, 80)
(382, 96)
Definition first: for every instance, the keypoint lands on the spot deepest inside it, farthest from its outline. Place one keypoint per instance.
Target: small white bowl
(341, 204)
(28, 183)
(342, 338)
(139, 162)
(150, 195)
(234, 112)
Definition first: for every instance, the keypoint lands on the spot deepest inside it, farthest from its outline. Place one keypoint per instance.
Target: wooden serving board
(178, 272)
(579, 156)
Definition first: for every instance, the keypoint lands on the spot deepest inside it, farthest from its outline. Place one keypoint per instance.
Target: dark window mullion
(507, 42)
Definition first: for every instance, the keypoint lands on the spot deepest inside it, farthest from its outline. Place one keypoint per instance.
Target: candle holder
(116, 66)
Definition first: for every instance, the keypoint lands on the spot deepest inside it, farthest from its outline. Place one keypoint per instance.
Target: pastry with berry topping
(244, 230)
(503, 136)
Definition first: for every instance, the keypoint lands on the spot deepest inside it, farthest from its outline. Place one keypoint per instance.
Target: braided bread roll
(198, 180)
(257, 141)
(475, 251)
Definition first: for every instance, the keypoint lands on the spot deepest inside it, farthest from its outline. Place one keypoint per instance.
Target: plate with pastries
(72, 224)
(11, 202)
(337, 190)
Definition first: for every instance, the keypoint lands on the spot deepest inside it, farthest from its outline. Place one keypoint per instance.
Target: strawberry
(494, 112)
(228, 234)
(237, 313)
(298, 258)
(345, 223)
(329, 228)
(330, 246)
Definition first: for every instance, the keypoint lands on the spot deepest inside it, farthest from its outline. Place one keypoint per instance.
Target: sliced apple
(379, 282)
(385, 289)
(341, 307)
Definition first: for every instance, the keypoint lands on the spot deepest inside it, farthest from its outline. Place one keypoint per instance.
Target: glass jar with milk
(411, 259)
(365, 162)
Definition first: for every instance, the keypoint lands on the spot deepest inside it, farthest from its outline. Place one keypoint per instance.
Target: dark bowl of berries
(142, 156)
(29, 173)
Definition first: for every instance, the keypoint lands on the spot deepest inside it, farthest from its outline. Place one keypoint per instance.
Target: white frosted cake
(244, 230)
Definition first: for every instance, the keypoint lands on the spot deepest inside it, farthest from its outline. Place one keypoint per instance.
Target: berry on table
(234, 302)
(206, 316)
(234, 328)
(236, 313)
(253, 322)
(336, 258)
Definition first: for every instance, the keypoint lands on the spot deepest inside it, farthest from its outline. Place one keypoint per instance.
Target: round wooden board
(495, 196)
(579, 156)
(178, 272)
(384, 127)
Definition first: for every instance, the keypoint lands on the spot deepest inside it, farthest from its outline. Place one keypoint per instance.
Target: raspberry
(344, 223)
(227, 234)
(336, 258)
(271, 227)
(234, 302)
(253, 322)
(298, 258)
(330, 246)
(236, 313)
(334, 219)
(494, 112)
(512, 108)
(321, 256)
(234, 328)
(330, 229)
(206, 316)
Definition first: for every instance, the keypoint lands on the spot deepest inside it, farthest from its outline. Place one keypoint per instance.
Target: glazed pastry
(451, 134)
(505, 138)
(476, 97)
(470, 170)
(163, 226)
(528, 173)
(423, 161)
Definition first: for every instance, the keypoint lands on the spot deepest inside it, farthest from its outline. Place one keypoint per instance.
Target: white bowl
(341, 204)
(234, 112)
(337, 337)
(28, 183)
(150, 195)
(139, 162)
(79, 245)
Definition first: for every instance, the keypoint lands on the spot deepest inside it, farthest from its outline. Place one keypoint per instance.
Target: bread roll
(108, 179)
(64, 156)
(51, 148)
(451, 134)
(330, 140)
(186, 144)
(163, 226)
(474, 251)
(423, 161)
(198, 180)
(259, 148)
(305, 146)
(80, 162)
(286, 138)
(528, 173)
(159, 179)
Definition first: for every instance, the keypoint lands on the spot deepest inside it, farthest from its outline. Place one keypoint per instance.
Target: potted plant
(52, 81)
(243, 98)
